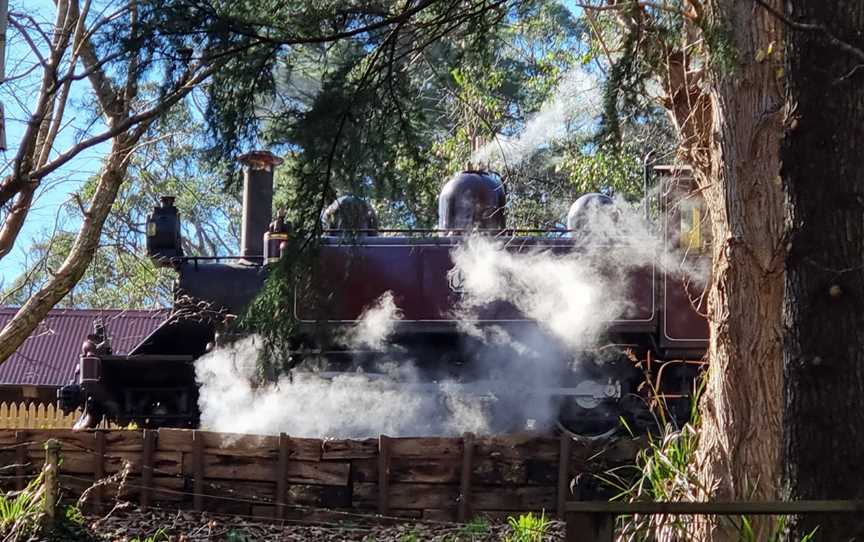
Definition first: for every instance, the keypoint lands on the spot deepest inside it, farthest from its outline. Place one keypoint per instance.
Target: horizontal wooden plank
(75, 462)
(296, 494)
(258, 469)
(518, 446)
(239, 445)
(439, 470)
(231, 444)
(165, 489)
(119, 440)
(528, 498)
(425, 447)
(324, 473)
(349, 449)
(407, 496)
(255, 492)
(233, 467)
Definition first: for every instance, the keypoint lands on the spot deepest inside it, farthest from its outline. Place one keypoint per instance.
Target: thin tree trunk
(739, 449)
(80, 256)
(823, 173)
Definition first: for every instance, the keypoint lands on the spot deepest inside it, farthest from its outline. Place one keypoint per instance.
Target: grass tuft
(528, 528)
(21, 511)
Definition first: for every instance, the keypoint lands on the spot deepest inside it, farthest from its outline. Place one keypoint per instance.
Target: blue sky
(17, 97)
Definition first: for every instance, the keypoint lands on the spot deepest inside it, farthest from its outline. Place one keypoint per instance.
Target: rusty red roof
(49, 356)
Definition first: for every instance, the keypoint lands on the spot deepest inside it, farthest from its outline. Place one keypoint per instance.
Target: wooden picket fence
(41, 416)
(35, 416)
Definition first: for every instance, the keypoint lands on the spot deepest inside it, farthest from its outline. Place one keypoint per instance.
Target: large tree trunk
(739, 449)
(823, 174)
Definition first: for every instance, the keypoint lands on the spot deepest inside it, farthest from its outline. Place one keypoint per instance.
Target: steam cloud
(375, 325)
(349, 405)
(574, 108)
(572, 295)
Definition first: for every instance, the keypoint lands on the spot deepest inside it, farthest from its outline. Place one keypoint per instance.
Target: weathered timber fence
(594, 521)
(280, 477)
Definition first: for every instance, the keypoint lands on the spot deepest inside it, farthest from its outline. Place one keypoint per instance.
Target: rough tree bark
(739, 450)
(823, 174)
(723, 89)
(730, 124)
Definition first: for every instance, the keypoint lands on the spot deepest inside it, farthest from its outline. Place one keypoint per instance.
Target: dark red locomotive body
(356, 264)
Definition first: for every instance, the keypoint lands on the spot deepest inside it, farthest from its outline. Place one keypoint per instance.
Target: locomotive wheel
(597, 423)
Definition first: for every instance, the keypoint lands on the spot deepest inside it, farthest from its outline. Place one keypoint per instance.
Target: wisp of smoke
(562, 292)
(574, 108)
(375, 325)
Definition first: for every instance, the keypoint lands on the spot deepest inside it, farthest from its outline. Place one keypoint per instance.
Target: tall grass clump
(663, 471)
(21, 511)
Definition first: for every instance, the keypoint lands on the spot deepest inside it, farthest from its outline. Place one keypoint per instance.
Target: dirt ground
(132, 525)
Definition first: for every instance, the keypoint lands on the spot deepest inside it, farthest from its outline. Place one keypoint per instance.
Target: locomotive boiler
(660, 335)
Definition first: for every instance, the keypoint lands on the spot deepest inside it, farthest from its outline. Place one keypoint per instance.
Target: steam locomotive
(661, 335)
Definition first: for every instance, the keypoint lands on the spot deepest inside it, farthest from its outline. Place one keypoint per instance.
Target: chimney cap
(260, 160)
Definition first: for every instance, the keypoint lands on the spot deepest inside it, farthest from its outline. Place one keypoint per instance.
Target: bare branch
(630, 5)
(33, 47)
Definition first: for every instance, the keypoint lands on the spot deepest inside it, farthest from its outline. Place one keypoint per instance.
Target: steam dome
(350, 214)
(586, 207)
(472, 200)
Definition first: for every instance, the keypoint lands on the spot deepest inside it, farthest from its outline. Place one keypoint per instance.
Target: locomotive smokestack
(258, 167)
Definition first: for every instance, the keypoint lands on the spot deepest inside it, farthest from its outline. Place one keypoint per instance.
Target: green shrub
(528, 528)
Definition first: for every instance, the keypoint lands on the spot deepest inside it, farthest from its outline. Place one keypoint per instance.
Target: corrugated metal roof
(49, 356)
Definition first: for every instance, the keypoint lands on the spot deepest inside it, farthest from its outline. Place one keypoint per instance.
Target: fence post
(147, 467)
(282, 476)
(99, 471)
(20, 461)
(563, 473)
(198, 469)
(383, 474)
(589, 527)
(50, 472)
(464, 510)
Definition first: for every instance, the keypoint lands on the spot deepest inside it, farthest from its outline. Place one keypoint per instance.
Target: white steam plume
(561, 292)
(574, 108)
(347, 405)
(574, 294)
(375, 325)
